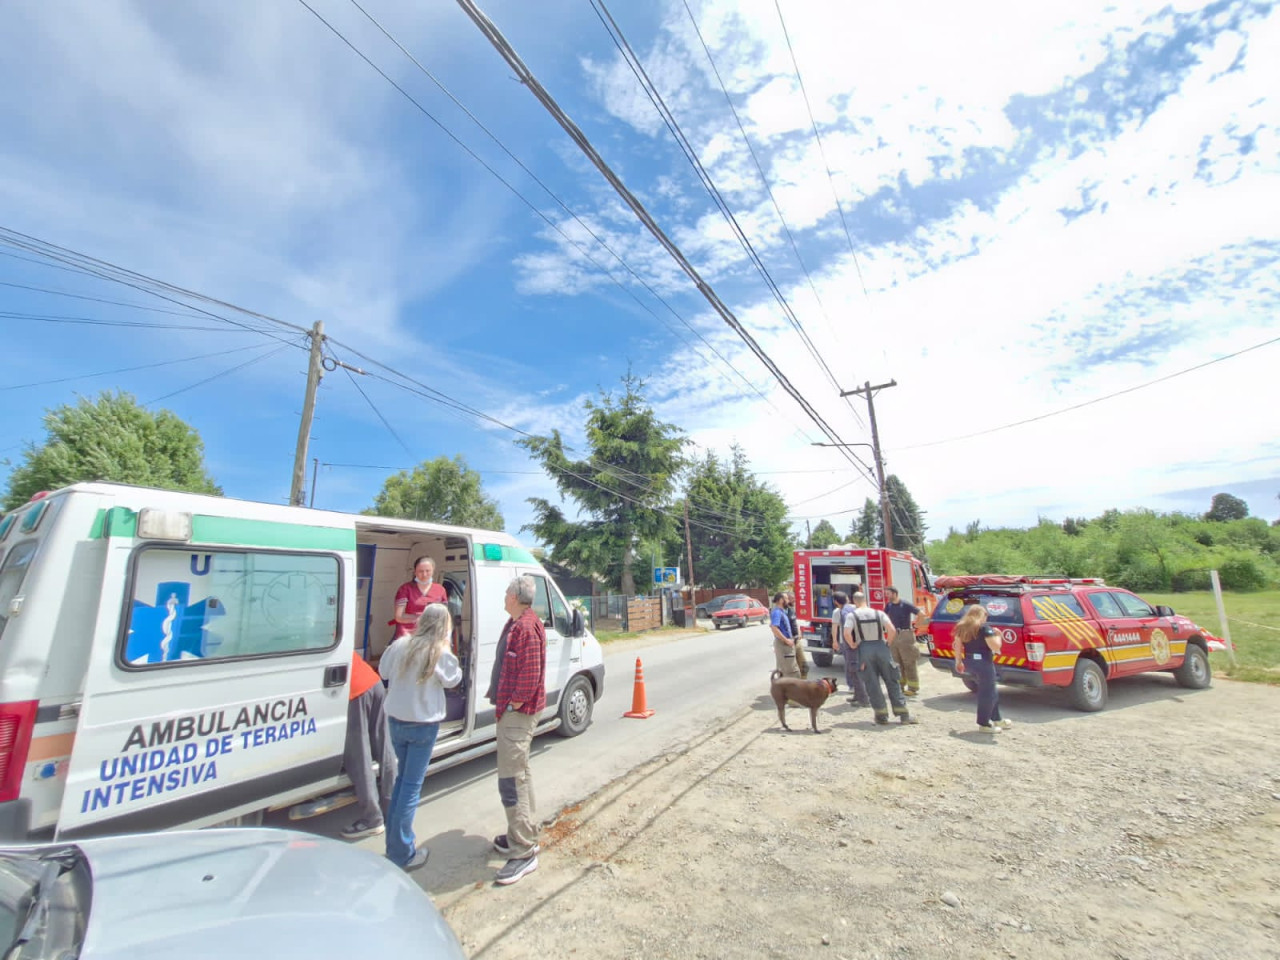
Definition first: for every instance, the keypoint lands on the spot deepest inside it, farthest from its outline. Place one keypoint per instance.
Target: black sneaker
(513, 870)
(362, 828)
(503, 846)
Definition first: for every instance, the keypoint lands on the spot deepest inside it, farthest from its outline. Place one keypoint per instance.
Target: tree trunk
(628, 581)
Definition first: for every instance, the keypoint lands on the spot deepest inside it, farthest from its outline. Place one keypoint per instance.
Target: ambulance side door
(1154, 630)
(1124, 644)
(553, 613)
(219, 686)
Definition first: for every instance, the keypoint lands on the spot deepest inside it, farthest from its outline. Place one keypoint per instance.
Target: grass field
(608, 636)
(1254, 619)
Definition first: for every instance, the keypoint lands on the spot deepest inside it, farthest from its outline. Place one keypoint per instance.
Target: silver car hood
(245, 894)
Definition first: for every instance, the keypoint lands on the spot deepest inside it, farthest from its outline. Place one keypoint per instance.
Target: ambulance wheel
(970, 685)
(1088, 687)
(1194, 672)
(575, 707)
(822, 659)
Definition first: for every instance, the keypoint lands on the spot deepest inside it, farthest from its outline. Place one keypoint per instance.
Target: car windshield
(1001, 607)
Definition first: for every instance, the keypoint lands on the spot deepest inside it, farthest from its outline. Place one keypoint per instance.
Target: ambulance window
(12, 574)
(198, 605)
(1105, 604)
(541, 600)
(1132, 606)
(559, 614)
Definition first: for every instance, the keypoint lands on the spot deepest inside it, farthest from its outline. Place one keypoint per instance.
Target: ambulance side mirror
(576, 627)
(1164, 611)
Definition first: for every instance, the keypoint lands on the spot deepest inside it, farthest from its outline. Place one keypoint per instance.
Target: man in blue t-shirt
(784, 645)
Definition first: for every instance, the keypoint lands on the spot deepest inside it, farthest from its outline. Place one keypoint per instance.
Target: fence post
(1222, 615)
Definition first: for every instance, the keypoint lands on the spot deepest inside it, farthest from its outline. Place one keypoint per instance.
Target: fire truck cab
(821, 573)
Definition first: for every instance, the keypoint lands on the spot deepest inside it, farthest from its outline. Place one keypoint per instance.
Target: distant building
(570, 583)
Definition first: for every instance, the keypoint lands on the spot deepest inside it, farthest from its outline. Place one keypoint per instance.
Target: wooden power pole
(315, 371)
(688, 548)
(868, 389)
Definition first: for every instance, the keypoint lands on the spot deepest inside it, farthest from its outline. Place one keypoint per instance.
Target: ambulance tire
(822, 659)
(1088, 686)
(575, 707)
(1194, 674)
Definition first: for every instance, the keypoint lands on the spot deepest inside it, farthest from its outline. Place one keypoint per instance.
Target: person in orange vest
(366, 740)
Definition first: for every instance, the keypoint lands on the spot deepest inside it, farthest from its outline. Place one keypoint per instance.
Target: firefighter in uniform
(870, 633)
(905, 652)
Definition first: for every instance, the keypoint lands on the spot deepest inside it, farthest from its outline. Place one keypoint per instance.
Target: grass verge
(1254, 619)
(609, 636)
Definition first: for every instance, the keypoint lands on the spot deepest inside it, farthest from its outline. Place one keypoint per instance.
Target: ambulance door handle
(335, 675)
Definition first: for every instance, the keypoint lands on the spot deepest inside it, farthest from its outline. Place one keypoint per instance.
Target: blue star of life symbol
(172, 629)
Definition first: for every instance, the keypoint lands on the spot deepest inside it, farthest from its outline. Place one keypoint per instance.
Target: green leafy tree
(441, 491)
(624, 487)
(737, 525)
(1225, 507)
(906, 519)
(823, 535)
(865, 531)
(112, 438)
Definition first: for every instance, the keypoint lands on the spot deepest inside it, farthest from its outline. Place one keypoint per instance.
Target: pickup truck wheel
(717, 623)
(1194, 672)
(1088, 687)
(575, 707)
(970, 685)
(821, 659)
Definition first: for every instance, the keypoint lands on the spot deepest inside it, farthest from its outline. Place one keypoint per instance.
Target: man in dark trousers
(802, 661)
(905, 652)
(519, 693)
(870, 633)
(840, 644)
(366, 742)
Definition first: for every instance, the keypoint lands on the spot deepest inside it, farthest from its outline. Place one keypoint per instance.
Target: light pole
(884, 494)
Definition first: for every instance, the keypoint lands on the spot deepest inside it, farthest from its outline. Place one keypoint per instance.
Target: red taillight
(1035, 651)
(16, 723)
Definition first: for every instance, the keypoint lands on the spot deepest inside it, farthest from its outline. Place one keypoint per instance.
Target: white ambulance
(170, 659)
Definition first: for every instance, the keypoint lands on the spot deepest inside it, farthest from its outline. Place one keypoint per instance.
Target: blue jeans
(413, 743)
(983, 672)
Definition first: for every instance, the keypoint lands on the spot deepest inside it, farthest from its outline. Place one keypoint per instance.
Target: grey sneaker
(419, 859)
(503, 846)
(513, 870)
(363, 828)
(907, 719)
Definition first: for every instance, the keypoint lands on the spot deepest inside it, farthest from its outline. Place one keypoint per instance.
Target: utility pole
(867, 389)
(314, 372)
(688, 548)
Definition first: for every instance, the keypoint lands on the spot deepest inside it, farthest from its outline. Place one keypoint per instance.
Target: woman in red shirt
(414, 597)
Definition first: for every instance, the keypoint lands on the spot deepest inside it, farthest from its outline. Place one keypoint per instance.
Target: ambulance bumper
(1017, 676)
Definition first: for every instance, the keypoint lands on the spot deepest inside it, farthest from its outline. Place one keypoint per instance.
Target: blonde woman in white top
(418, 668)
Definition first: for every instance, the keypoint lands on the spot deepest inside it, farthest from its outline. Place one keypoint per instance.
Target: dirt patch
(1146, 831)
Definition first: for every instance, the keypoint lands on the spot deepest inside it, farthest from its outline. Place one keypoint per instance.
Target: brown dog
(803, 693)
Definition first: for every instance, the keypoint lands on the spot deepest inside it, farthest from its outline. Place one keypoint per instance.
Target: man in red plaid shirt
(521, 696)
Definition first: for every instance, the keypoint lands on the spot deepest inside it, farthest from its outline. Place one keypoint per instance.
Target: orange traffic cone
(639, 708)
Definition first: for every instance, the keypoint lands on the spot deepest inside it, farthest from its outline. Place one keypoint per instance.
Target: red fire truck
(821, 573)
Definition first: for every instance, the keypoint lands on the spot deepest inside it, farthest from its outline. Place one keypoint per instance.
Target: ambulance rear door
(217, 682)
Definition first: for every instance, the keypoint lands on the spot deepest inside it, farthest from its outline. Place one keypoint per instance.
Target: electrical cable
(372, 406)
(99, 322)
(551, 223)
(80, 296)
(239, 366)
(1089, 403)
(526, 76)
(143, 366)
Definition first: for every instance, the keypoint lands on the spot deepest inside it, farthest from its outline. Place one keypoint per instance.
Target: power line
(821, 149)
(1089, 403)
(659, 103)
(216, 376)
(526, 76)
(372, 406)
(80, 296)
(143, 366)
(528, 203)
(98, 322)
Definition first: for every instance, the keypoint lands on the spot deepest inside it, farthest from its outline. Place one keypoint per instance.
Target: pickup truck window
(1132, 606)
(1001, 607)
(1057, 606)
(1106, 605)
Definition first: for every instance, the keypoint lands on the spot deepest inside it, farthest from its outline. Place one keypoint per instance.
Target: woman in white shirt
(418, 668)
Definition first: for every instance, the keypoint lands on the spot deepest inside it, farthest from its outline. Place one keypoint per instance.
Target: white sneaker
(989, 728)
(1003, 724)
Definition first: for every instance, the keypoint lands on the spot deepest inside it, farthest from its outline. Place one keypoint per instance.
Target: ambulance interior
(384, 562)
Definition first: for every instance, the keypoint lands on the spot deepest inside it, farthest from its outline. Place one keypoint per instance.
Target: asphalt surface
(692, 682)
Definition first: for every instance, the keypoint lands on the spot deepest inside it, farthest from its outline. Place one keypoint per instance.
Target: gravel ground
(1148, 830)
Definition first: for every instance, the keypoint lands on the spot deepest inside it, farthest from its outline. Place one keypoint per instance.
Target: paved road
(691, 683)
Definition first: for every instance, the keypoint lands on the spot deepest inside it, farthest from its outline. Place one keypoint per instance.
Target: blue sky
(1044, 208)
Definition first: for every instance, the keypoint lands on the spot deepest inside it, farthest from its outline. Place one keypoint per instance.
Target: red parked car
(739, 613)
